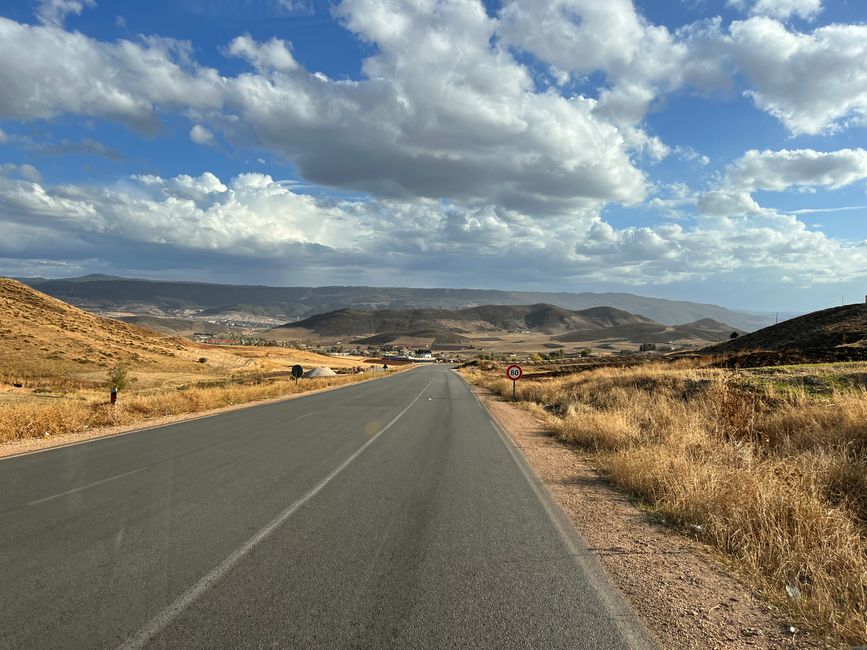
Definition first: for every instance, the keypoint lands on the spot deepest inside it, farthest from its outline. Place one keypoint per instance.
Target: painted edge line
(625, 619)
(84, 487)
(163, 619)
(193, 418)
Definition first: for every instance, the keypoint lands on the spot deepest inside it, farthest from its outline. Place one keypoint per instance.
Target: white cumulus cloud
(201, 135)
(442, 112)
(272, 55)
(54, 12)
(784, 169)
(256, 218)
(782, 9)
(47, 71)
(812, 82)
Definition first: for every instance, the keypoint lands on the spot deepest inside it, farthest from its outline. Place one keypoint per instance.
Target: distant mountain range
(451, 327)
(156, 298)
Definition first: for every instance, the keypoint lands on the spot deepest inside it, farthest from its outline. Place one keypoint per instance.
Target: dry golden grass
(60, 416)
(59, 357)
(775, 477)
(45, 342)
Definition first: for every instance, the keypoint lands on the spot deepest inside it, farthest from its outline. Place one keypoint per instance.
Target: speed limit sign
(514, 373)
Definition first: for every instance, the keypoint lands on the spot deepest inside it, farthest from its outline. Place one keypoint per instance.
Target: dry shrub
(35, 420)
(776, 480)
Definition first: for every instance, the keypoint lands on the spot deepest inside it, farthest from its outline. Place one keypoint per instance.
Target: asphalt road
(391, 513)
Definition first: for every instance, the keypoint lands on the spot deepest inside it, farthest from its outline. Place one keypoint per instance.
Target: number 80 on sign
(514, 372)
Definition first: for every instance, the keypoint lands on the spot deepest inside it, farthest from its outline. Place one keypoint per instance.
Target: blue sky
(711, 150)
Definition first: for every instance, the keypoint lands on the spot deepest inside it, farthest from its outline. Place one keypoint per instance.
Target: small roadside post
(514, 372)
(113, 401)
(297, 371)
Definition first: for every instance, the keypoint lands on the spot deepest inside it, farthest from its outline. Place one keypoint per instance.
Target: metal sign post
(297, 371)
(514, 372)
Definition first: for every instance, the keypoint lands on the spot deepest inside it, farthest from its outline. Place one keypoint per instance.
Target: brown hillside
(829, 329)
(44, 341)
(547, 319)
(37, 330)
(649, 332)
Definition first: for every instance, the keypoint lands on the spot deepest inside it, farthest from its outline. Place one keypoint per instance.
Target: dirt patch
(683, 592)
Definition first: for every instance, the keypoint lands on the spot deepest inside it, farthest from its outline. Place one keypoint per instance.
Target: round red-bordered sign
(514, 372)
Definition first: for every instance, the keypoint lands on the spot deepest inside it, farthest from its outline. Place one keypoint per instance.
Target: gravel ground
(684, 595)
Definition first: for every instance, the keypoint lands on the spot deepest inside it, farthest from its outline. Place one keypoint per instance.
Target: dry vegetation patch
(770, 469)
(55, 361)
(44, 419)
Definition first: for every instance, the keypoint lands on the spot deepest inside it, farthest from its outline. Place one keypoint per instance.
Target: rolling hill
(174, 326)
(38, 330)
(829, 334)
(452, 327)
(44, 338)
(548, 319)
(701, 330)
(147, 297)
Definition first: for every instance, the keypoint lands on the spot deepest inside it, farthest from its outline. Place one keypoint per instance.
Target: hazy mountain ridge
(106, 293)
(548, 319)
(454, 326)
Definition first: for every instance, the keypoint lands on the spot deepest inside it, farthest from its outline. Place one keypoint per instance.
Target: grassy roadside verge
(71, 416)
(770, 472)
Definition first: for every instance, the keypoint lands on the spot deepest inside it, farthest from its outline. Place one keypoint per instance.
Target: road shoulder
(682, 594)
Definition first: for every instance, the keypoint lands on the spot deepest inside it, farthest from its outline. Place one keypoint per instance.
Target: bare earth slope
(36, 329)
(459, 326)
(44, 338)
(705, 329)
(836, 333)
(544, 318)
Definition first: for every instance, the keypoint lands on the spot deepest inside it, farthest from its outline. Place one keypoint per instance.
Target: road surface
(391, 513)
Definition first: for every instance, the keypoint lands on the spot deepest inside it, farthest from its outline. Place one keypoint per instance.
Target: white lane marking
(84, 487)
(305, 415)
(159, 622)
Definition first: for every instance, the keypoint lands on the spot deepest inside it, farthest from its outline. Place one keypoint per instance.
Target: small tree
(118, 377)
(733, 336)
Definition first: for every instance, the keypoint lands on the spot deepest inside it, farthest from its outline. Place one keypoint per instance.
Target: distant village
(402, 354)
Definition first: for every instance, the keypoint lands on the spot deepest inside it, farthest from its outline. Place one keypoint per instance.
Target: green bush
(118, 377)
